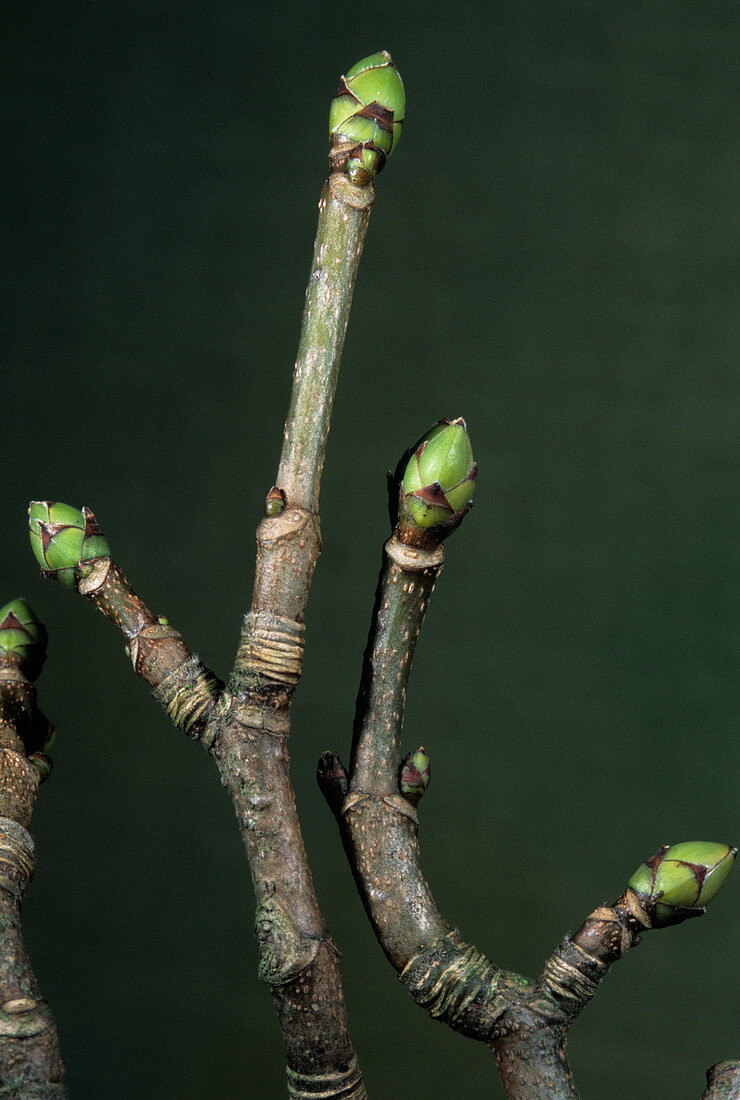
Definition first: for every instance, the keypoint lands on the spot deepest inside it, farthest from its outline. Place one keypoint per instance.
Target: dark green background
(551, 255)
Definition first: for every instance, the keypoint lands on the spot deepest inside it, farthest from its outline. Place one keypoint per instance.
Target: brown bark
(246, 726)
(723, 1082)
(525, 1022)
(30, 1062)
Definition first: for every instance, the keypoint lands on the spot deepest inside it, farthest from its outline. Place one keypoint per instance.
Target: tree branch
(524, 1022)
(344, 213)
(186, 689)
(30, 1062)
(298, 958)
(246, 727)
(448, 977)
(723, 1082)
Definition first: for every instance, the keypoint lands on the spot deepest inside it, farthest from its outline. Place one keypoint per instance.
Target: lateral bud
(416, 771)
(22, 639)
(274, 502)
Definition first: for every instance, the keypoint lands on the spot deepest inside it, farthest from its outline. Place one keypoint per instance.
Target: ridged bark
(523, 1021)
(31, 1066)
(246, 726)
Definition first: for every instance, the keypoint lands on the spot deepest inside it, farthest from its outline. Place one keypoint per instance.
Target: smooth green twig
(344, 214)
(30, 1062)
(365, 125)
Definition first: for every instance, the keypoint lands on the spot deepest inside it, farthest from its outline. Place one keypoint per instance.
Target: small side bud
(41, 735)
(274, 502)
(332, 779)
(679, 881)
(366, 118)
(64, 540)
(439, 480)
(42, 763)
(22, 638)
(416, 771)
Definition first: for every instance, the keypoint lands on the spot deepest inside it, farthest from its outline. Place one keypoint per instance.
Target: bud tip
(439, 481)
(366, 118)
(680, 880)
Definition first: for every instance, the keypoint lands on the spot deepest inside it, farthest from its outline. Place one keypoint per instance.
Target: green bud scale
(678, 881)
(366, 118)
(65, 540)
(274, 502)
(22, 638)
(416, 771)
(440, 478)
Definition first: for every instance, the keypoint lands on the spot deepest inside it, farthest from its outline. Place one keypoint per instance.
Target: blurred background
(551, 255)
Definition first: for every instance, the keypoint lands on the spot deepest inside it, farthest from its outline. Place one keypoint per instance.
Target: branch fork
(524, 1022)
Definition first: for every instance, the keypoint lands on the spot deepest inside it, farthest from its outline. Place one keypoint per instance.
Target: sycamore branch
(524, 1021)
(30, 1062)
(245, 727)
(723, 1082)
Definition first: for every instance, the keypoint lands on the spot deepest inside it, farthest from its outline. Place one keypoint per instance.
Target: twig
(246, 726)
(524, 1022)
(298, 958)
(445, 975)
(30, 1062)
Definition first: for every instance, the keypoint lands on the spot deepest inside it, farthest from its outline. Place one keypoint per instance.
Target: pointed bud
(439, 481)
(678, 881)
(64, 540)
(416, 771)
(366, 118)
(22, 638)
(274, 502)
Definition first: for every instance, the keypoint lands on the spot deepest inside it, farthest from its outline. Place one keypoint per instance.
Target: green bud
(22, 638)
(439, 482)
(678, 881)
(416, 771)
(274, 502)
(366, 117)
(64, 540)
